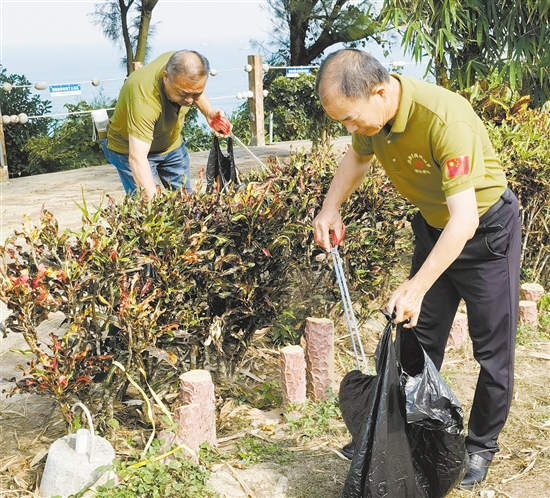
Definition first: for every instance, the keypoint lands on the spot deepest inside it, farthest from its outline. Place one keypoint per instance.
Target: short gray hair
(353, 73)
(188, 63)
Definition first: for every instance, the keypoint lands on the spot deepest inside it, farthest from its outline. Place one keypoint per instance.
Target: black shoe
(477, 471)
(348, 450)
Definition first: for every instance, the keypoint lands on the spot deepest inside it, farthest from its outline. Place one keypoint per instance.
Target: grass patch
(252, 451)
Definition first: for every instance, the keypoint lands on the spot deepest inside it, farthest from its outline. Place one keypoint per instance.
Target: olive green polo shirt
(436, 147)
(144, 111)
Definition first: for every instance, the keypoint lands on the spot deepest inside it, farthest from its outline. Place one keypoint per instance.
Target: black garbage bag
(221, 171)
(435, 420)
(406, 425)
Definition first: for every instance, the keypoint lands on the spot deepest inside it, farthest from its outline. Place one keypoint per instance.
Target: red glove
(220, 124)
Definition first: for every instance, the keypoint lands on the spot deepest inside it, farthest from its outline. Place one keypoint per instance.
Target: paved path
(59, 192)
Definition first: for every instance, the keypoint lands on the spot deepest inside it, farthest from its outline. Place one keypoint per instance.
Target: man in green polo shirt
(437, 153)
(144, 140)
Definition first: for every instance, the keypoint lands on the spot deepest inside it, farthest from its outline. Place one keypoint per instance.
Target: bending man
(437, 153)
(144, 140)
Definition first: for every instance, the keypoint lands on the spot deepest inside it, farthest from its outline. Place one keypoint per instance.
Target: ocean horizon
(80, 64)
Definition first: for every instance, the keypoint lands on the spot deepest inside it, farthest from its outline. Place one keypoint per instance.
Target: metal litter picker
(346, 301)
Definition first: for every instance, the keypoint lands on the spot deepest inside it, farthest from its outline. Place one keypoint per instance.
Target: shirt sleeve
(362, 145)
(459, 152)
(142, 118)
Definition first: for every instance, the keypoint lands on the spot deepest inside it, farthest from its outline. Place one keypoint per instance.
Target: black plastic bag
(221, 171)
(406, 425)
(435, 420)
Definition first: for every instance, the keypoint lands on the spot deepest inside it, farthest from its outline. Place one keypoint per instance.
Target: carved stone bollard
(459, 331)
(319, 337)
(293, 375)
(531, 292)
(196, 417)
(528, 313)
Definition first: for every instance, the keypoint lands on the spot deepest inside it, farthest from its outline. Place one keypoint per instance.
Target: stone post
(293, 375)
(531, 292)
(459, 330)
(319, 336)
(197, 416)
(528, 314)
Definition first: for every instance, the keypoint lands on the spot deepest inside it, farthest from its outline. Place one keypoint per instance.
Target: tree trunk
(147, 7)
(126, 34)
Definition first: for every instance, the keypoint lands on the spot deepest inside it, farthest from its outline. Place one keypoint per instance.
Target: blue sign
(63, 90)
(294, 72)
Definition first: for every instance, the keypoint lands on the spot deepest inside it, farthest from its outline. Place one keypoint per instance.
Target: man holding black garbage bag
(144, 139)
(437, 154)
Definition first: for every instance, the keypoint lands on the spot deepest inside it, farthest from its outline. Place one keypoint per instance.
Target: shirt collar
(405, 103)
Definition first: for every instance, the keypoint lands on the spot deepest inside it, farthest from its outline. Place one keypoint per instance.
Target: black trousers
(486, 276)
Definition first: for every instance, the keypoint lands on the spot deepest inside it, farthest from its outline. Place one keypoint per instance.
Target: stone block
(531, 292)
(196, 417)
(293, 375)
(528, 314)
(459, 331)
(319, 337)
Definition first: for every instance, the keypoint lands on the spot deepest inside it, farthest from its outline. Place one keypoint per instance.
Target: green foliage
(154, 477)
(240, 119)
(69, 145)
(527, 334)
(196, 137)
(252, 451)
(21, 100)
(303, 29)
(297, 112)
(521, 140)
(467, 42)
(127, 25)
(318, 419)
(185, 280)
(544, 315)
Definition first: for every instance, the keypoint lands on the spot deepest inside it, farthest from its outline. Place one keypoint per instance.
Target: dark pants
(486, 276)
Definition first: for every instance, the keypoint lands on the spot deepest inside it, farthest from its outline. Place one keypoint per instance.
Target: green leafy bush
(153, 289)
(70, 144)
(17, 101)
(521, 140)
(155, 476)
(297, 112)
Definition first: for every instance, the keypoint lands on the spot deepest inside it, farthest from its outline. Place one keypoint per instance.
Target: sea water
(80, 64)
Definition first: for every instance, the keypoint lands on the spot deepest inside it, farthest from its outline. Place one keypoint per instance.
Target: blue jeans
(169, 170)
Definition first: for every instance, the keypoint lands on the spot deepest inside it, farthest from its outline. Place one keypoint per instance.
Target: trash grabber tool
(346, 301)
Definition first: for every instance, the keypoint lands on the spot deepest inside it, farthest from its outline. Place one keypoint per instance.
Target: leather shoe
(476, 473)
(348, 450)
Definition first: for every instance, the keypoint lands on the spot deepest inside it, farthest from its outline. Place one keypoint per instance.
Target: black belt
(503, 199)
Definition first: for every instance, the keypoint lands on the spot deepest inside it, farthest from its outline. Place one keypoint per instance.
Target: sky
(181, 22)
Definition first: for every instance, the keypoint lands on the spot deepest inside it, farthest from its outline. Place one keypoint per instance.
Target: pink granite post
(319, 336)
(528, 314)
(531, 292)
(197, 415)
(459, 331)
(293, 375)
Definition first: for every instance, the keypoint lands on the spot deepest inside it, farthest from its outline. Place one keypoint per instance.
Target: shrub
(521, 141)
(21, 100)
(184, 281)
(297, 112)
(70, 144)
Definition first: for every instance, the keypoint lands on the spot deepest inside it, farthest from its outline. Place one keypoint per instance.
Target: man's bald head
(188, 63)
(351, 73)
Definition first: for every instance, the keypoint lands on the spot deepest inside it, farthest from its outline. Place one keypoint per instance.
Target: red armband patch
(458, 166)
